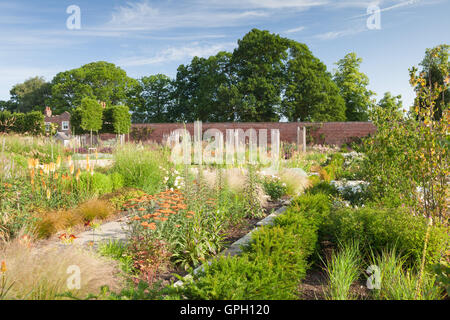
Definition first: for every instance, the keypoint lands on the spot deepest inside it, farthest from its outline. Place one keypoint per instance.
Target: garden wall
(332, 133)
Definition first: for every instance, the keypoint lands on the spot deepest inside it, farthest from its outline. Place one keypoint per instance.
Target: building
(62, 120)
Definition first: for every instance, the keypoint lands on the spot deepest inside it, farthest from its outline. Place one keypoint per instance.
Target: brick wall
(333, 133)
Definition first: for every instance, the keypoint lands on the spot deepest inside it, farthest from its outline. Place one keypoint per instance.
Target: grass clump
(140, 166)
(42, 274)
(343, 269)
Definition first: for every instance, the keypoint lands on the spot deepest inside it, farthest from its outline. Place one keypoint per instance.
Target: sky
(145, 37)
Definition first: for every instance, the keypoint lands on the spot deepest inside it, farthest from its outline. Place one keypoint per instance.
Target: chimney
(48, 112)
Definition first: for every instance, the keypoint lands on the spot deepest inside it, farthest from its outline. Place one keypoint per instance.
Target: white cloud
(141, 16)
(294, 30)
(176, 54)
(338, 34)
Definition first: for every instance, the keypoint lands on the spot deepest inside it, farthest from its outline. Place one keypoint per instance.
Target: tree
(30, 95)
(116, 119)
(152, 99)
(91, 115)
(391, 102)
(8, 105)
(98, 80)
(310, 94)
(353, 87)
(258, 63)
(435, 66)
(198, 87)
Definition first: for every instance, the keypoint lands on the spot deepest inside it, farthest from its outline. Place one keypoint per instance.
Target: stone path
(110, 231)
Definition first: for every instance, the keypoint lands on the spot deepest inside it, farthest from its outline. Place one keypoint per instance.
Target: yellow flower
(48, 194)
(77, 176)
(92, 171)
(69, 160)
(58, 162)
(52, 167)
(3, 267)
(72, 169)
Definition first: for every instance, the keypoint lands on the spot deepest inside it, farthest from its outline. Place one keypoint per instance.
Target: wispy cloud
(176, 54)
(338, 34)
(294, 30)
(142, 16)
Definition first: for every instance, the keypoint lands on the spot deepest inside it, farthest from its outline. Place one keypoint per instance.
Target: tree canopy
(101, 81)
(353, 88)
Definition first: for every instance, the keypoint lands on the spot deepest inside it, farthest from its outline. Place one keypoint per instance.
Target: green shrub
(380, 228)
(274, 187)
(98, 183)
(269, 268)
(324, 188)
(117, 181)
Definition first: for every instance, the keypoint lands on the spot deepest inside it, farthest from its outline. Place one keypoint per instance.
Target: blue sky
(153, 36)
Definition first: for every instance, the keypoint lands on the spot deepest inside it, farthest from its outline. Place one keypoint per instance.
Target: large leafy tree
(353, 88)
(310, 94)
(434, 69)
(152, 99)
(199, 88)
(30, 95)
(98, 80)
(259, 65)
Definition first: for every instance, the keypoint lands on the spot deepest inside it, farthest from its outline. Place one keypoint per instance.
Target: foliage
(274, 187)
(152, 99)
(343, 270)
(352, 85)
(98, 80)
(31, 95)
(270, 268)
(435, 71)
(116, 119)
(253, 205)
(140, 166)
(381, 228)
(399, 281)
(310, 94)
(91, 115)
(24, 123)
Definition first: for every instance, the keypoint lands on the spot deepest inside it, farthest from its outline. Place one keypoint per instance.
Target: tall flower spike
(3, 267)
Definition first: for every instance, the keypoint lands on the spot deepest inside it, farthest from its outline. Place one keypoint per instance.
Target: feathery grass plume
(42, 274)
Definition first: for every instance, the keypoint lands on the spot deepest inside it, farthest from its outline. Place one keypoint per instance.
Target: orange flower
(163, 219)
(136, 218)
(3, 267)
(141, 209)
(151, 226)
(191, 212)
(177, 226)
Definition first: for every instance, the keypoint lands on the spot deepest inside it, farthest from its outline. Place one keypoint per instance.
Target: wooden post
(298, 138)
(304, 139)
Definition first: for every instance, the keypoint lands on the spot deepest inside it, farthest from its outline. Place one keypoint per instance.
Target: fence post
(304, 139)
